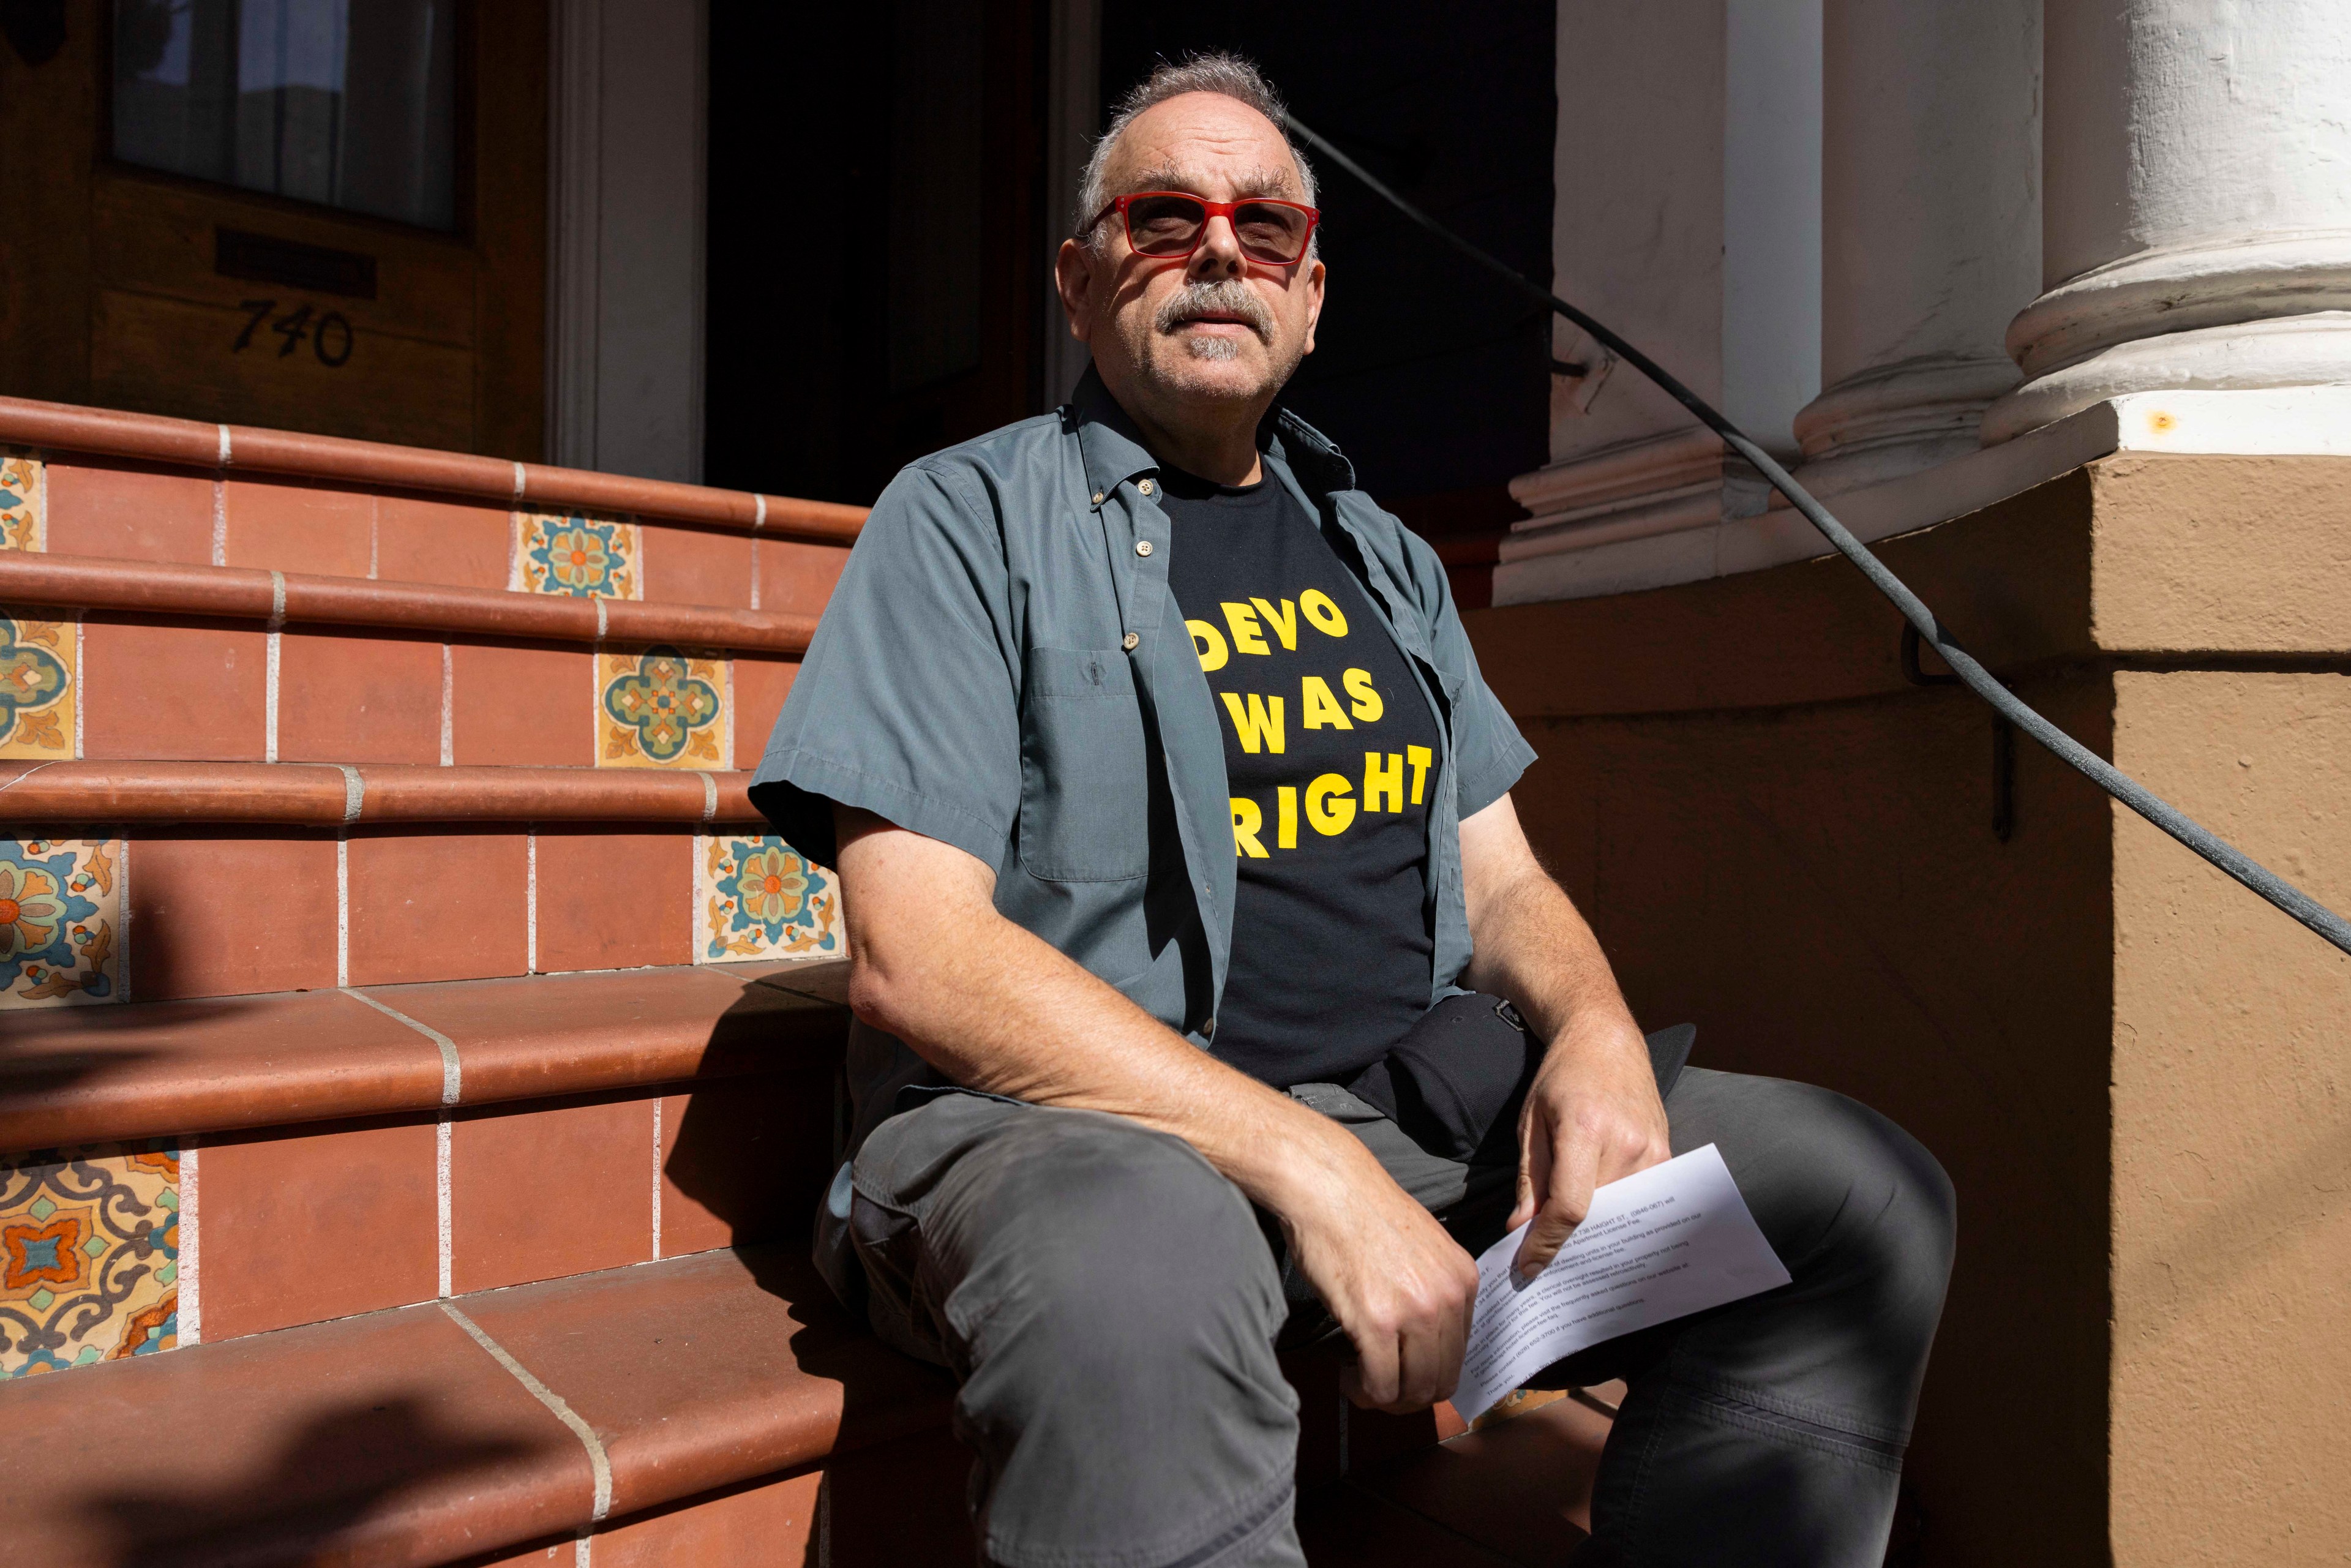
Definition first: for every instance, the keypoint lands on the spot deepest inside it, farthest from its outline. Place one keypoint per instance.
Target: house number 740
(328, 333)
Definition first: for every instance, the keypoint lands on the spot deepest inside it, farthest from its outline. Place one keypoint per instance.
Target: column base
(2261, 313)
(1896, 419)
(1652, 484)
(2283, 352)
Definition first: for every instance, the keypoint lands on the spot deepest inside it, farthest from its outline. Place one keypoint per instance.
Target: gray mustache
(1229, 296)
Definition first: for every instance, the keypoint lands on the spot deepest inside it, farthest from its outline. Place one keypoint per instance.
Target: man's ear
(1313, 301)
(1073, 278)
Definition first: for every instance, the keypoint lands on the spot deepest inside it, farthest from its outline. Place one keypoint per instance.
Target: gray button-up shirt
(1003, 668)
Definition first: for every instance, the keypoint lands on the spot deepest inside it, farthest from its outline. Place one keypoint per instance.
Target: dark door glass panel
(937, 232)
(349, 103)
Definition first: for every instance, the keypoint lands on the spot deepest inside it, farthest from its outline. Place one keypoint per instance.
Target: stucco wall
(2134, 1070)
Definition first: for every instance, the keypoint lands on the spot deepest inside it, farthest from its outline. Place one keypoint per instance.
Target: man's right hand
(1398, 1283)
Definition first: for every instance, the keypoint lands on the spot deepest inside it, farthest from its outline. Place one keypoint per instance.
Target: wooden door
(132, 286)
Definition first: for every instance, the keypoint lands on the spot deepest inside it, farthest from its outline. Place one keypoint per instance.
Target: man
(1174, 828)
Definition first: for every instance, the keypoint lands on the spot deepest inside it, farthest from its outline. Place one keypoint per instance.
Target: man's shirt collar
(1115, 453)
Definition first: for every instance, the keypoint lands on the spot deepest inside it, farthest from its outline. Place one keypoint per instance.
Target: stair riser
(134, 511)
(215, 1238)
(167, 912)
(109, 685)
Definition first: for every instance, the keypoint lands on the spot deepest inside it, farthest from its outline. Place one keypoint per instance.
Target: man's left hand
(1591, 1117)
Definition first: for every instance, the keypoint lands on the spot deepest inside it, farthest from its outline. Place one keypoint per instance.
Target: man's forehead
(1211, 181)
(1205, 142)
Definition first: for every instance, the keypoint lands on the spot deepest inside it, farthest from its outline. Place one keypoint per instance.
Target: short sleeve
(904, 705)
(1488, 752)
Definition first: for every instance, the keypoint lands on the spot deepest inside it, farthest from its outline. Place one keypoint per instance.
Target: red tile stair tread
(72, 1075)
(550, 1034)
(320, 794)
(247, 449)
(712, 1369)
(390, 1440)
(393, 1440)
(140, 588)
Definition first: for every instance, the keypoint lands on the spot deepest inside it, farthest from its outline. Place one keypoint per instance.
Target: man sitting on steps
(1174, 826)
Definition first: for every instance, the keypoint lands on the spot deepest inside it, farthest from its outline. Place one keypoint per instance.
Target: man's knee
(1886, 1218)
(1114, 1248)
(1851, 1201)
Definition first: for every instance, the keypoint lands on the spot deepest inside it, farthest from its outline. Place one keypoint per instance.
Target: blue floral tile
(90, 1256)
(61, 930)
(657, 707)
(24, 502)
(38, 687)
(574, 554)
(761, 900)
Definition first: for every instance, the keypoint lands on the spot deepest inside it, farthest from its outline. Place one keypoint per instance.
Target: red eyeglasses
(1169, 224)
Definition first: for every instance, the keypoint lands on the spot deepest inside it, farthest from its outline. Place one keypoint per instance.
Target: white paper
(1674, 1239)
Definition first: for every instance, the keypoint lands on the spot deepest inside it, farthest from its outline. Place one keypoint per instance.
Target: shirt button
(1142, 547)
(1129, 642)
(1208, 1030)
(1144, 486)
(1098, 496)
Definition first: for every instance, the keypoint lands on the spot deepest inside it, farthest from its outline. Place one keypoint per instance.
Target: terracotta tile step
(242, 449)
(338, 795)
(285, 598)
(89, 1074)
(447, 1431)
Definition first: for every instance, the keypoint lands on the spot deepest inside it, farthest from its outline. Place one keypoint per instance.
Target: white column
(2196, 227)
(1930, 212)
(626, 283)
(1687, 218)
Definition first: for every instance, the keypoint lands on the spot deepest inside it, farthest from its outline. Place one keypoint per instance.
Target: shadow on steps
(285, 1508)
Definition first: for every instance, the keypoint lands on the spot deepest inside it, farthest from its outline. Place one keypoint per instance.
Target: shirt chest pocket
(1084, 797)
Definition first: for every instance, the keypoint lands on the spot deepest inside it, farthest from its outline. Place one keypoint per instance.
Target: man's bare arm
(994, 1008)
(1593, 1114)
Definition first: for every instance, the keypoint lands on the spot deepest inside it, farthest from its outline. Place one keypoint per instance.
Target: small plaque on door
(312, 268)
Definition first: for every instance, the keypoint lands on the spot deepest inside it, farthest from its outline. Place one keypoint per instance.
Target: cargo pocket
(1084, 798)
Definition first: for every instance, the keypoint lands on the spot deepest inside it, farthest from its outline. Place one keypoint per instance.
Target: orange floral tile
(40, 677)
(23, 501)
(61, 925)
(657, 708)
(90, 1256)
(575, 554)
(754, 897)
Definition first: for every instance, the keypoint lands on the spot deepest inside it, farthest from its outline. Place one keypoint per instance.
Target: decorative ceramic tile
(90, 1256)
(761, 900)
(61, 933)
(37, 687)
(657, 708)
(23, 501)
(587, 557)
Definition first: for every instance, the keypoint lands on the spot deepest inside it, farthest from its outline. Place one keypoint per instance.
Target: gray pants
(1109, 1304)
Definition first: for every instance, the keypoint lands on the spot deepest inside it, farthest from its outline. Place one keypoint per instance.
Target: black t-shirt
(1332, 753)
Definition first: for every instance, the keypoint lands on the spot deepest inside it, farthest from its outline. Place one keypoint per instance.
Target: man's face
(1186, 335)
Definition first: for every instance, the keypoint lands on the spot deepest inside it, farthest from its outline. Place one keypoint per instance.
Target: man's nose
(1220, 255)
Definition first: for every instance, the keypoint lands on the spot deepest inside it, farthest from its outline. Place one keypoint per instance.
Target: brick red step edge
(432, 1433)
(77, 1075)
(190, 443)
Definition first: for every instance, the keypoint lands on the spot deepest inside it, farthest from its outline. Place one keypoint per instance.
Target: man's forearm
(995, 1007)
(1532, 947)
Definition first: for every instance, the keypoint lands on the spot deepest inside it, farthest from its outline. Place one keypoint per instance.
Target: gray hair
(1233, 76)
